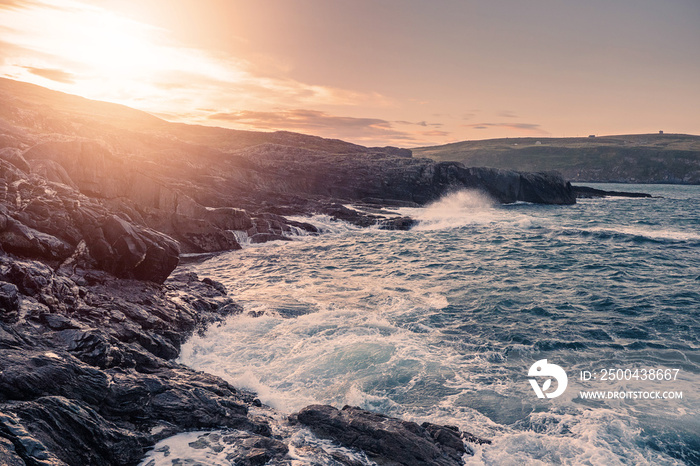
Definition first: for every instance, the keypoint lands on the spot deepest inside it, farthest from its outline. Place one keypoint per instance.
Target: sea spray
(455, 209)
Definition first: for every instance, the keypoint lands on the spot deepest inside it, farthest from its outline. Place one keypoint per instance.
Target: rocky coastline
(98, 203)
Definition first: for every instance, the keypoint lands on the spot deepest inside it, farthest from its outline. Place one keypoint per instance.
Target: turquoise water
(443, 322)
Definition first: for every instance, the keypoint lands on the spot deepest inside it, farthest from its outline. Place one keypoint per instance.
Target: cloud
(52, 74)
(524, 127)
(12, 4)
(420, 123)
(80, 48)
(364, 130)
(435, 133)
(507, 114)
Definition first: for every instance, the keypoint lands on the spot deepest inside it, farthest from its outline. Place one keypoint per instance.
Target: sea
(464, 318)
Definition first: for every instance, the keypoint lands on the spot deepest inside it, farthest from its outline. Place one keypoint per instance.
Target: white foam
(177, 446)
(453, 210)
(576, 437)
(326, 224)
(658, 234)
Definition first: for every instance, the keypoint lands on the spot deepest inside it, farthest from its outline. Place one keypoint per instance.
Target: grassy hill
(636, 158)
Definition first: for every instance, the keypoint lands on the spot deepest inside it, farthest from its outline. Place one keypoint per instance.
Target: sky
(406, 73)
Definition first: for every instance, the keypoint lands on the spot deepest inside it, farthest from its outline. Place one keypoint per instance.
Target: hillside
(639, 158)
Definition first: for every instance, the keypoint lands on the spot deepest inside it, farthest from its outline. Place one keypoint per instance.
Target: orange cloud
(366, 130)
(523, 127)
(52, 74)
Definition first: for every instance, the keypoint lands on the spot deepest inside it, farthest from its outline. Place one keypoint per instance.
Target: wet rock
(9, 301)
(203, 236)
(19, 239)
(8, 454)
(397, 223)
(94, 366)
(253, 450)
(51, 420)
(50, 222)
(386, 440)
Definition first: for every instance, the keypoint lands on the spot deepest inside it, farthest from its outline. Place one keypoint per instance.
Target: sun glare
(84, 49)
(102, 55)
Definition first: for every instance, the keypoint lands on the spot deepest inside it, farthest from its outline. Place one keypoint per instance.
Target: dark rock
(84, 379)
(52, 420)
(304, 226)
(29, 375)
(585, 192)
(19, 239)
(134, 252)
(386, 440)
(203, 236)
(8, 454)
(397, 223)
(265, 237)
(254, 450)
(218, 286)
(9, 301)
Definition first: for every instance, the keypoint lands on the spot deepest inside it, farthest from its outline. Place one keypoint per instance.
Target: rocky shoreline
(88, 374)
(98, 204)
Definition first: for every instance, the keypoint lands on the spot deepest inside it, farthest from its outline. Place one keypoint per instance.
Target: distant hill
(636, 158)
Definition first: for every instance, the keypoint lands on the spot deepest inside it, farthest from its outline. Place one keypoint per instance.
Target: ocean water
(443, 323)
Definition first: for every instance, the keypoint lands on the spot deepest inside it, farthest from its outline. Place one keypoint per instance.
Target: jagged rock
(49, 221)
(51, 420)
(9, 301)
(386, 440)
(132, 252)
(252, 449)
(396, 223)
(19, 239)
(8, 454)
(93, 366)
(14, 156)
(202, 236)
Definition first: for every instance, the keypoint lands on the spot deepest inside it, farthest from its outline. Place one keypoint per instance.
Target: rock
(386, 440)
(94, 366)
(8, 454)
(303, 226)
(545, 188)
(397, 223)
(9, 301)
(14, 156)
(253, 450)
(50, 221)
(586, 192)
(93, 440)
(19, 239)
(203, 236)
